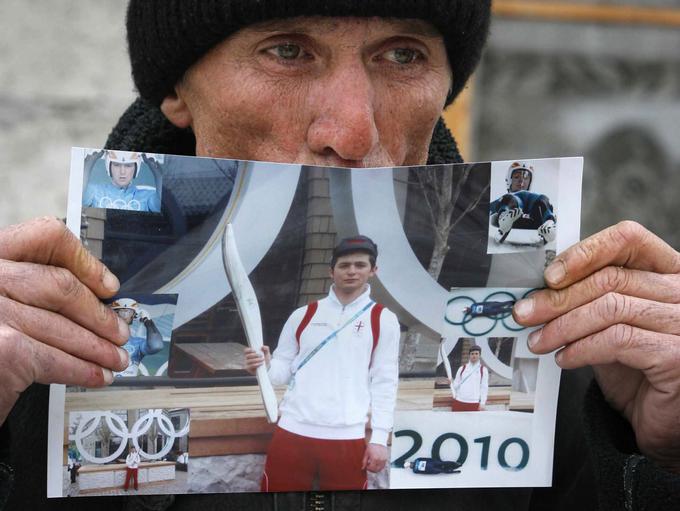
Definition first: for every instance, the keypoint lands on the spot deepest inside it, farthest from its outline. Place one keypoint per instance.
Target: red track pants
(460, 406)
(295, 461)
(130, 473)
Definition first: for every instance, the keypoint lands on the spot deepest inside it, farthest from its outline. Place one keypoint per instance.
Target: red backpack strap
(309, 314)
(375, 324)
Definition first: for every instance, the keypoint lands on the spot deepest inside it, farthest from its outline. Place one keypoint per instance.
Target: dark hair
(476, 348)
(371, 257)
(356, 244)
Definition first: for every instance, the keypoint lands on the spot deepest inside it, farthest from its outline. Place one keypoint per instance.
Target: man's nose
(343, 114)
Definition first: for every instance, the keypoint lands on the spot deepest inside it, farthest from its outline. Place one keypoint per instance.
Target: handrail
(587, 13)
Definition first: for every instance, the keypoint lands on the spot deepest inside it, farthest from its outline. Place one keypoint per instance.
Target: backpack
(481, 368)
(376, 310)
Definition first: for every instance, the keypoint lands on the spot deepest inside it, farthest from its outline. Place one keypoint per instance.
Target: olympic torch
(249, 310)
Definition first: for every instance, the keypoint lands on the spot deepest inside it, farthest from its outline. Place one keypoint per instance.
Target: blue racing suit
(108, 195)
(536, 208)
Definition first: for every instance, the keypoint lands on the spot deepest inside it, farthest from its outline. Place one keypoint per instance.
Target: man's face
(321, 91)
(351, 272)
(520, 180)
(126, 315)
(122, 174)
(474, 357)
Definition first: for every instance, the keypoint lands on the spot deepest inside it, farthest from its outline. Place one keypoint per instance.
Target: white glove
(548, 231)
(505, 222)
(143, 316)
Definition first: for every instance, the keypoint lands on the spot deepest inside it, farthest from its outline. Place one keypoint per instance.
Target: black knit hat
(165, 37)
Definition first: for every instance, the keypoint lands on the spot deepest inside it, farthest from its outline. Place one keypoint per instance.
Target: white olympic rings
(90, 421)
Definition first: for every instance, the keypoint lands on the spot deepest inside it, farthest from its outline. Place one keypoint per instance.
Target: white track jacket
(472, 383)
(132, 460)
(334, 391)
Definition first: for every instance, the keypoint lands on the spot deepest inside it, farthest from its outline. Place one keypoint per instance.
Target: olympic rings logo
(496, 307)
(131, 205)
(90, 421)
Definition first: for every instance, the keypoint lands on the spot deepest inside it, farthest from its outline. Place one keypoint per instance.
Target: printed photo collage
(296, 328)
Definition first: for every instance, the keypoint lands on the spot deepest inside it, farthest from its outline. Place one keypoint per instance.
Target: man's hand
(614, 303)
(53, 326)
(375, 457)
(253, 359)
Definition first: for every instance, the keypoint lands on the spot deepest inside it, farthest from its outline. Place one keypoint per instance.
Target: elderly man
(351, 83)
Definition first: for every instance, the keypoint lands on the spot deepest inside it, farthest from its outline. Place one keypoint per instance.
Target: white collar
(363, 297)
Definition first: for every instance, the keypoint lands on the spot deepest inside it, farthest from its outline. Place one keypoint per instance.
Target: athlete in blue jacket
(521, 208)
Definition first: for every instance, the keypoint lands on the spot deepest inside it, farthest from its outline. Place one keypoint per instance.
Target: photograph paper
(297, 322)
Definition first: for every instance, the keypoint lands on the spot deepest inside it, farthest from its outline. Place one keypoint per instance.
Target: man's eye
(402, 55)
(287, 51)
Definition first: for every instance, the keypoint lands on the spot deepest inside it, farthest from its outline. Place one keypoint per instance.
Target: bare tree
(442, 187)
(105, 435)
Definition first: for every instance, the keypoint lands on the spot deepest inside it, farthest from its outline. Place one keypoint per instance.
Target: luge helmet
(123, 158)
(519, 166)
(125, 303)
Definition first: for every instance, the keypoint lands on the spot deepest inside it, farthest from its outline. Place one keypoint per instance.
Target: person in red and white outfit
(339, 357)
(132, 462)
(471, 384)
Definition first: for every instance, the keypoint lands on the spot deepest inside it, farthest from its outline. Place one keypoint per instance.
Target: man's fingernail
(123, 329)
(108, 376)
(534, 337)
(524, 307)
(124, 357)
(110, 281)
(558, 357)
(556, 272)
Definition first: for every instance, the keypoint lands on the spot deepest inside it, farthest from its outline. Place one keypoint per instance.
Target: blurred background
(559, 78)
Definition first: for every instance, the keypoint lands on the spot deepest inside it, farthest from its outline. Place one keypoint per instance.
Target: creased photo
(327, 328)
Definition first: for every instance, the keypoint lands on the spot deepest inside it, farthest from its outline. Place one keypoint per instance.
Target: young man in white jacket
(339, 357)
(132, 462)
(471, 384)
